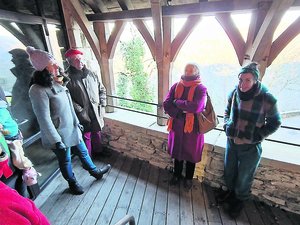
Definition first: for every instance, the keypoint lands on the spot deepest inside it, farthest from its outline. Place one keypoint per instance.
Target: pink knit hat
(39, 58)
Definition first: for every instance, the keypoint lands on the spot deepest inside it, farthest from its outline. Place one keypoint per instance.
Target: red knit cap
(72, 52)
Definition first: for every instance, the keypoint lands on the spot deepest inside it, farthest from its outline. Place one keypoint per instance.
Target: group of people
(250, 116)
(66, 105)
(69, 109)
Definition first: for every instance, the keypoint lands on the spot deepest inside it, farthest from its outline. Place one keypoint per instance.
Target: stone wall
(135, 141)
(275, 183)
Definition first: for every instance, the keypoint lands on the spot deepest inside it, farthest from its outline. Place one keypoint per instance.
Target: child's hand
(4, 132)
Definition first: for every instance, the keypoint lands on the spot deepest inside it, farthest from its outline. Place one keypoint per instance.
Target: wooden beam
(183, 34)
(262, 44)
(158, 37)
(69, 27)
(25, 40)
(121, 15)
(203, 8)
(167, 54)
(24, 18)
(283, 40)
(125, 4)
(158, 33)
(75, 9)
(233, 33)
(106, 63)
(142, 28)
(93, 6)
(266, 26)
(101, 6)
(114, 38)
(257, 18)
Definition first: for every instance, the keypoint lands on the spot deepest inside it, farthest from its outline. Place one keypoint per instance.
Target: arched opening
(135, 71)
(209, 46)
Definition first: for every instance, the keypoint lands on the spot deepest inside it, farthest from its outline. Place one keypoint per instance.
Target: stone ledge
(276, 182)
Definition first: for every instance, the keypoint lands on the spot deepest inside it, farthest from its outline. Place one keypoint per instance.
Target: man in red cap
(89, 99)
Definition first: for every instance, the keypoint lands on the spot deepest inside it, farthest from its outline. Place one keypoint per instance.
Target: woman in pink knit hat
(60, 128)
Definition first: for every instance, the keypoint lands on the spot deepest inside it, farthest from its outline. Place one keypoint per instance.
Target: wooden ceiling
(99, 6)
(112, 10)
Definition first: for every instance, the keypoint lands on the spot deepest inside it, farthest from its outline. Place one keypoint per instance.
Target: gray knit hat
(39, 58)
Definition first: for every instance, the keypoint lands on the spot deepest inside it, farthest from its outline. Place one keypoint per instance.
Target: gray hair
(195, 65)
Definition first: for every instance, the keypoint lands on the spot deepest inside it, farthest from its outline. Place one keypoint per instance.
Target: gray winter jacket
(55, 114)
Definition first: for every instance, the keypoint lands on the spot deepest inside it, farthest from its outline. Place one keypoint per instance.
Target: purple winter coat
(185, 146)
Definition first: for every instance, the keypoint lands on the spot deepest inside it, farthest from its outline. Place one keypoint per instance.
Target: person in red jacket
(16, 209)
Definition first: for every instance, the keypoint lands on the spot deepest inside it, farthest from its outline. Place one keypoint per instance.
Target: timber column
(163, 79)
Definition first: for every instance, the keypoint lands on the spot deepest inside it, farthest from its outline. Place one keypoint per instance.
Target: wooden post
(163, 79)
(107, 50)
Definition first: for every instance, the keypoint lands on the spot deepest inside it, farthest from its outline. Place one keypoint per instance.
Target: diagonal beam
(270, 23)
(125, 4)
(69, 27)
(142, 28)
(234, 34)
(283, 40)
(75, 9)
(101, 6)
(183, 34)
(93, 6)
(260, 49)
(114, 38)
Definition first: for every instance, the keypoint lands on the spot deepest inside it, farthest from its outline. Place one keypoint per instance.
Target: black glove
(60, 146)
(174, 102)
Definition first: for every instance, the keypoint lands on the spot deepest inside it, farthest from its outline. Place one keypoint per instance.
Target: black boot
(174, 180)
(224, 196)
(188, 184)
(98, 173)
(236, 206)
(75, 188)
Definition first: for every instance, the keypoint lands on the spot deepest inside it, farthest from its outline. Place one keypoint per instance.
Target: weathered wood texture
(138, 188)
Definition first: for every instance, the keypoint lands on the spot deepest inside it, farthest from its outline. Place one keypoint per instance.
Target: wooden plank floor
(135, 187)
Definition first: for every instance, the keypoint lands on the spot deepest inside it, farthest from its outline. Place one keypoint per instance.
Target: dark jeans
(65, 164)
(189, 170)
(240, 164)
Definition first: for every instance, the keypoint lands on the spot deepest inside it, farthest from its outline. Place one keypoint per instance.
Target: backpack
(207, 119)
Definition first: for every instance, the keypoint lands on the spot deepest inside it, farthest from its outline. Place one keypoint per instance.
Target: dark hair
(43, 78)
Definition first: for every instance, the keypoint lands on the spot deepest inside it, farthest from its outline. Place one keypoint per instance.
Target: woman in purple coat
(184, 100)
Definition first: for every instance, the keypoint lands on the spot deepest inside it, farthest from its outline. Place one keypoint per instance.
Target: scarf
(246, 96)
(192, 82)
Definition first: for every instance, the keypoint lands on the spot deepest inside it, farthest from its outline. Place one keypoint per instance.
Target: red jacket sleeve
(16, 209)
